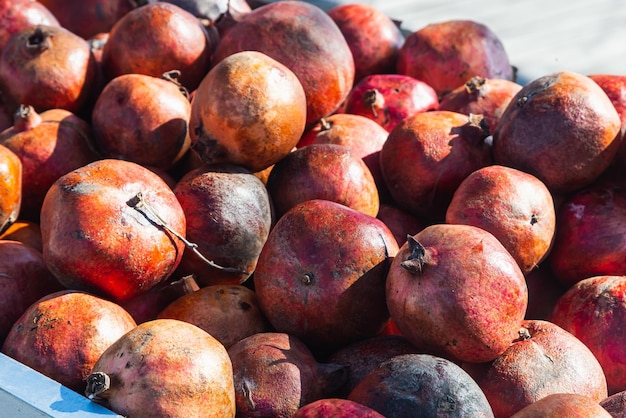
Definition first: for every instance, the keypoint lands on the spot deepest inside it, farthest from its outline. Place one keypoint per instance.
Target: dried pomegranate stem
(139, 204)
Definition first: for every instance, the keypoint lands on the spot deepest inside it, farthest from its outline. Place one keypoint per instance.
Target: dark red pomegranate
(47, 67)
(306, 40)
(390, 98)
(337, 408)
(16, 15)
(157, 38)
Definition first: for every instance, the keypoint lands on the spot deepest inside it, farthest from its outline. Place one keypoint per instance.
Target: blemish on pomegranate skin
(577, 210)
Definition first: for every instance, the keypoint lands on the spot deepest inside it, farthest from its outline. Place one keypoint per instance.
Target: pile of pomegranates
(219, 208)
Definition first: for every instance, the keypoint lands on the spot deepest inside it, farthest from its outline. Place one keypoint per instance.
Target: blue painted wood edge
(25, 392)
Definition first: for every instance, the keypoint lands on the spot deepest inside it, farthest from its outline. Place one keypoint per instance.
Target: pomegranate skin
(447, 54)
(564, 405)
(157, 38)
(437, 280)
(614, 85)
(47, 67)
(11, 190)
(63, 334)
(306, 40)
(165, 368)
(561, 128)
(337, 408)
(16, 15)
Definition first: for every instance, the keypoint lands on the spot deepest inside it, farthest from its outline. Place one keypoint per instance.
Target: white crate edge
(26, 393)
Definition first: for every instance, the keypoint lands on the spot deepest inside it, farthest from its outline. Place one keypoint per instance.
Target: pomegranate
(156, 38)
(562, 128)
(322, 253)
(26, 232)
(364, 356)
(437, 280)
(432, 385)
(488, 97)
(374, 39)
(614, 85)
(11, 190)
(275, 374)
(427, 156)
(89, 17)
(544, 290)
(143, 119)
(24, 278)
(112, 227)
(447, 54)
(47, 67)
(400, 222)
(592, 222)
(306, 40)
(564, 405)
(164, 368)
(335, 407)
(63, 334)
(323, 171)
(516, 207)
(615, 404)
(249, 110)
(229, 215)
(390, 98)
(594, 310)
(49, 144)
(544, 359)
(229, 313)
(16, 15)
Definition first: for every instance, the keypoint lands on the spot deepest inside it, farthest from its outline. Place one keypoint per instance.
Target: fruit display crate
(26, 393)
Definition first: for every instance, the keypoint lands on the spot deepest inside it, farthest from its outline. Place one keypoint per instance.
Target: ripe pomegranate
(516, 207)
(447, 54)
(323, 171)
(229, 313)
(562, 128)
(591, 221)
(563, 405)
(544, 359)
(335, 407)
(390, 98)
(164, 368)
(16, 15)
(112, 227)
(24, 278)
(427, 156)
(49, 144)
(437, 280)
(249, 110)
(229, 215)
(26, 232)
(47, 67)
(432, 385)
(615, 404)
(143, 119)
(488, 97)
(63, 334)
(614, 85)
(156, 38)
(593, 310)
(306, 40)
(400, 222)
(89, 17)
(275, 374)
(322, 253)
(364, 356)
(11, 190)
(374, 39)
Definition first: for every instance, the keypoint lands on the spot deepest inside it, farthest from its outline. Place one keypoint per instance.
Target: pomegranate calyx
(417, 258)
(475, 84)
(38, 41)
(25, 118)
(97, 384)
(375, 100)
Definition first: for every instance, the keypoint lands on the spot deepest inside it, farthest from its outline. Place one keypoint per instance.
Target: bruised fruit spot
(244, 306)
(446, 404)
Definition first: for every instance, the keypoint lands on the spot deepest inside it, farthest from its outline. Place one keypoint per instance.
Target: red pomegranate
(249, 110)
(63, 334)
(26, 232)
(49, 144)
(112, 227)
(143, 119)
(335, 407)
(614, 85)
(373, 37)
(561, 128)
(47, 67)
(16, 15)
(564, 405)
(306, 40)
(447, 54)
(156, 38)
(164, 368)
(437, 280)
(322, 253)
(427, 156)
(10, 187)
(390, 98)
